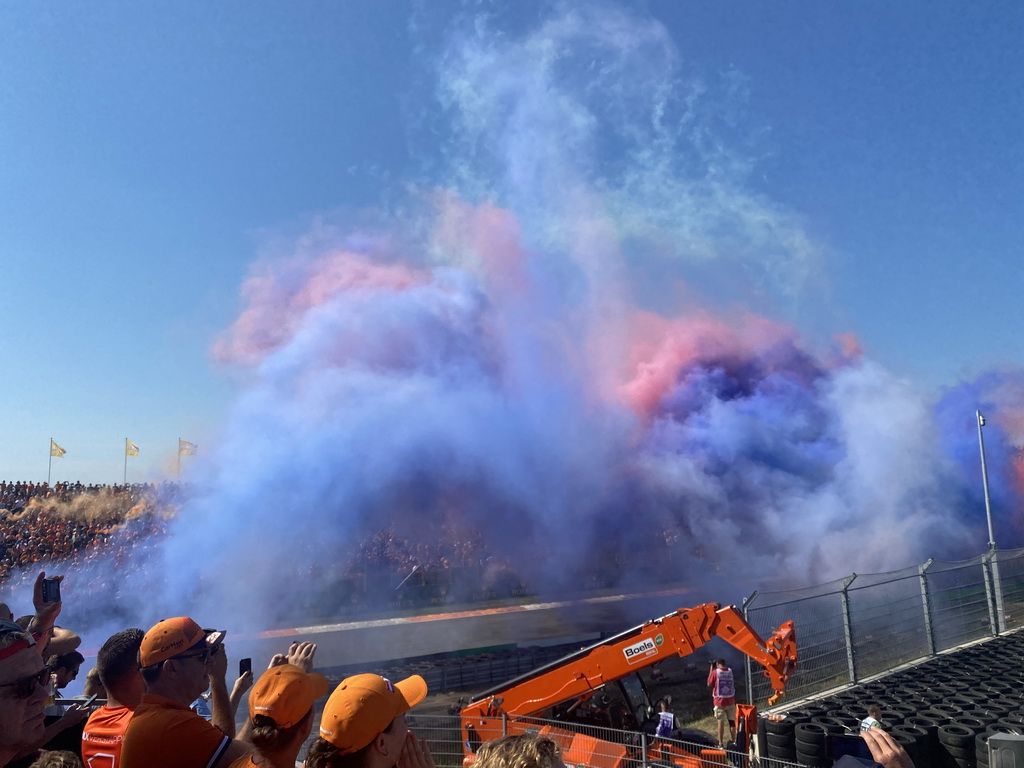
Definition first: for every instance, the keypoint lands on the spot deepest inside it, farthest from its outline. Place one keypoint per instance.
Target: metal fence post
(997, 584)
(643, 750)
(847, 628)
(748, 668)
(922, 572)
(986, 565)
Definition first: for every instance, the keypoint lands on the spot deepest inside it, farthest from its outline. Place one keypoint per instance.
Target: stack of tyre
(942, 711)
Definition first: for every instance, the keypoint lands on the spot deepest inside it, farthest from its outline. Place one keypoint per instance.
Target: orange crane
(564, 687)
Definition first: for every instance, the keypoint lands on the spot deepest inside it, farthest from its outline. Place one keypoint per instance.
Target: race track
(361, 642)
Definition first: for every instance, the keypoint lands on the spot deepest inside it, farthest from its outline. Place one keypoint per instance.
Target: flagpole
(49, 464)
(179, 459)
(125, 481)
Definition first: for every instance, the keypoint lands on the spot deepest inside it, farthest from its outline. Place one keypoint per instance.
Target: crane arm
(677, 634)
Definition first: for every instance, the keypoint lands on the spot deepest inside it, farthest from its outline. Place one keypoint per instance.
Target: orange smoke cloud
(277, 304)
(484, 239)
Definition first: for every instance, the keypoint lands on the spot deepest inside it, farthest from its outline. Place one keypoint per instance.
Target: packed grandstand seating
(97, 530)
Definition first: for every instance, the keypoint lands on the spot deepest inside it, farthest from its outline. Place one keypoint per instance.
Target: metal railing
(868, 624)
(581, 744)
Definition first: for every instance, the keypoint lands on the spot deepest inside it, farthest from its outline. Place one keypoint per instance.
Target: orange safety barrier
(595, 753)
(710, 757)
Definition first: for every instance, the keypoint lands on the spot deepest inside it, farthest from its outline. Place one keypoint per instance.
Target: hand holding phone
(855, 746)
(51, 590)
(244, 665)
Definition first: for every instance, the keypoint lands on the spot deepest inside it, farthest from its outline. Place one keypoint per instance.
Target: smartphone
(89, 702)
(215, 637)
(854, 746)
(51, 590)
(244, 665)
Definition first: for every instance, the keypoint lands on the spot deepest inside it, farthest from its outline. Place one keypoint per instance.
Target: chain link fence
(868, 624)
(586, 745)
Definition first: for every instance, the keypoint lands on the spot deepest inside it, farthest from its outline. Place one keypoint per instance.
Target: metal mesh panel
(887, 623)
(596, 747)
(443, 734)
(959, 603)
(887, 619)
(819, 637)
(1011, 580)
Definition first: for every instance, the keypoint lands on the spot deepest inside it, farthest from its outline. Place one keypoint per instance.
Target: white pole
(997, 586)
(984, 480)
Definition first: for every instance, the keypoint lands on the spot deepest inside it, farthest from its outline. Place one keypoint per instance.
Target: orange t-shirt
(103, 736)
(166, 734)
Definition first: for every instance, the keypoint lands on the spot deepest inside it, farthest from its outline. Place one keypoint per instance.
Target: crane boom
(678, 634)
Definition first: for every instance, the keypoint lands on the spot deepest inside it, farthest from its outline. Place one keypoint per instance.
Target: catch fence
(865, 625)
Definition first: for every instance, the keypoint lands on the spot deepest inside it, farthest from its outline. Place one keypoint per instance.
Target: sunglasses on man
(24, 687)
(203, 655)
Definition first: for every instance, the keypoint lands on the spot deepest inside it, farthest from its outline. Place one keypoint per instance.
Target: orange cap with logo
(364, 705)
(286, 694)
(168, 638)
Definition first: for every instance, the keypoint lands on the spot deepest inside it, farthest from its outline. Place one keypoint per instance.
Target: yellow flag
(56, 450)
(130, 448)
(185, 448)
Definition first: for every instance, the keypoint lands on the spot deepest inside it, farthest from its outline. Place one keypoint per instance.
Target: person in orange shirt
(280, 715)
(118, 666)
(179, 663)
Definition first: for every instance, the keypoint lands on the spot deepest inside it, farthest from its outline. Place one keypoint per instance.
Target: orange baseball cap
(286, 694)
(168, 638)
(364, 705)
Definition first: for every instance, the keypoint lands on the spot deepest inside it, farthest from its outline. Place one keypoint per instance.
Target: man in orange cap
(281, 714)
(178, 663)
(363, 726)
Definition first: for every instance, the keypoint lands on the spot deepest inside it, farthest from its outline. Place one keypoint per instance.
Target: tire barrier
(942, 711)
(981, 742)
(810, 744)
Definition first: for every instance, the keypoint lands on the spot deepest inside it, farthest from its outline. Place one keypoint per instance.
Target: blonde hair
(519, 751)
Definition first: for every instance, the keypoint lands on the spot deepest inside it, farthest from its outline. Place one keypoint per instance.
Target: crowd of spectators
(151, 682)
(106, 533)
(72, 522)
(77, 527)
(148, 680)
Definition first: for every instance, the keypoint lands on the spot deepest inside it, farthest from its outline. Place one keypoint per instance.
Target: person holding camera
(723, 697)
(179, 660)
(281, 710)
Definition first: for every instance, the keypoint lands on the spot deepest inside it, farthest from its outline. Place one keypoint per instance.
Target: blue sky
(149, 156)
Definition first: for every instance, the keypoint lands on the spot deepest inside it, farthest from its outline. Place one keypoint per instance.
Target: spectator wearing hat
(117, 664)
(23, 689)
(363, 726)
(281, 715)
(178, 663)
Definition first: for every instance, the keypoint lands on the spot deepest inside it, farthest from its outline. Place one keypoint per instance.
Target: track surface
(360, 642)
